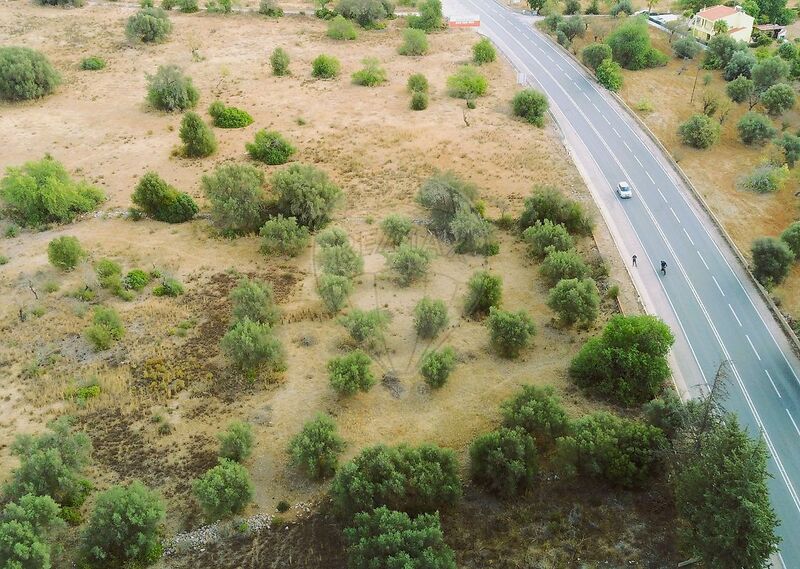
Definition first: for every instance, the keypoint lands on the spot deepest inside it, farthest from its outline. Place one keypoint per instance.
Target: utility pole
(696, 75)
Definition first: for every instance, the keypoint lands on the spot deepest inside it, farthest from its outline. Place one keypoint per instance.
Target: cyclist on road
(664, 268)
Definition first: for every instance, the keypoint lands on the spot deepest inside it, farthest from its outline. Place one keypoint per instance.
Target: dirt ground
(166, 390)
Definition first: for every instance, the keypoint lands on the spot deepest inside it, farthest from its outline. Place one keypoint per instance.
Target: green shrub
(169, 90)
(197, 137)
(161, 201)
(530, 105)
(334, 291)
(229, 117)
(42, 192)
(483, 52)
(547, 204)
(65, 252)
(699, 131)
(721, 48)
(740, 89)
(325, 67)
(627, 362)
(467, 83)
(396, 228)
(283, 236)
(764, 179)
(790, 145)
(306, 193)
(105, 329)
(630, 45)
(316, 448)
(371, 75)
(93, 63)
(575, 300)
(409, 263)
(168, 287)
(769, 72)
(236, 193)
(539, 413)
(609, 75)
(350, 373)
(685, 48)
(559, 265)
(148, 25)
(251, 345)
(279, 60)
(365, 327)
(415, 42)
(472, 233)
(366, 12)
(504, 462)
(484, 292)
(341, 260)
(620, 451)
(430, 317)
(791, 236)
(106, 268)
(408, 479)
(778, 99)
(594, 54)
(124, 527)
(417, 83)
(545, 236)
(270, 9)
(667, 413)
(510, 332)
(27, 527)
(236, 442)
(772, 259)
(437, 365)
(188, 6)
(429, 18)
(340, 28)
(444, 194)
(419, 101)
(219, 6)
(270, 148)
(622, 7)
(136, 279)
(384, 538)
(333, 237)
(740, 65)
(253, 299)
(755, 128)
(224, 490)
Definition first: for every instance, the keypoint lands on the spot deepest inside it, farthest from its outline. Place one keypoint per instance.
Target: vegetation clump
(224, 490)
(504, 462)
(325, 67)
(148, 25)
(198, 139)
(252, 345)
(106, 328)
(409, 263)
(307, 194)
(65, 252)
(236, 193)
(415, 42)
(316, 448)
(594, 54)
(510, 332)
(334, 291)
(537, 411)
(350, 373)
(429, 18)
(772, 259)
(371, 75)
(545, 236)
(467, 83)
(575, 300)
(483, 52)
(484, 292)
(437, 365)
(270, 148)
(27, 527)
(161, 201)
(340, 28)
(531, 105)
(283, 236)
(417, 83)
(631, 48)
(755, 128)
(368, 13)
(279, 61)
(609, 75)
(559, 265)
(396, 228)
(341, 260)
(430, 317)
(366, 327)
(254, 299)
(236, 442)
(93, 63)
(170, 90)
(546, 203)
(699, 131)
(229, 117)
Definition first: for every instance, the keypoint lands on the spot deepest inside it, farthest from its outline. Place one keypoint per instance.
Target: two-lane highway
(706, 296)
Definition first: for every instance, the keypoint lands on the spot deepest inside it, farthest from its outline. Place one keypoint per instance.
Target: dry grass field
(165, 388)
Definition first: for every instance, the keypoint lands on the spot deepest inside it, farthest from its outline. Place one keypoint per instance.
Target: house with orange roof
(738, 24)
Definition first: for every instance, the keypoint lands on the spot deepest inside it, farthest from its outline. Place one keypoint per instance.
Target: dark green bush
(772, 259)
(306, 193)
(594, 54)
(270, 148)
(429, 18)
(316, 448)
(283, 236)
(417, 83)
(437, 365)
(93, 63)
(198, 139)
(778, 99)
(161, 201)
(791, 236)
(223, 490)
(444, 194)
(236, 193)
(667, 413)
(699, 131)
(148, 25)
(228, 117)
(415, 42)
(755, 128)
(530, 105)
(631, 48)
(340, 28)
(575, 300)
(686, 48)
(169, 90)
(409, 263)
(187, 6)
(740, 65)
(350, 373)
(371, 75)
(609, 75)
(396, 228)
(430, 317)
(367, 13)
(65, 252)
(484, 291)
(790, 145)
(136, 279)
(279, 60)
(740, 89)
(467, 83)
(27, 527)
(252, 345)
(545, 236)
(325, 67)
(510, 332)
(559, 265)
(366, 327)
(622, 7)
(472, 233)
(42, 192)
(764, 179)
(419, 101)
(254, 299)
(547, 203)
(236, 442)
(538, 412)
(504, 462)
(721, 48)
(769, 72)
(334, 291)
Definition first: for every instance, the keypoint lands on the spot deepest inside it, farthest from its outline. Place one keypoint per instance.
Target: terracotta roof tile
(716, 12)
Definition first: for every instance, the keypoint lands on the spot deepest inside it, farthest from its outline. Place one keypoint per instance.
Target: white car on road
(624, 190)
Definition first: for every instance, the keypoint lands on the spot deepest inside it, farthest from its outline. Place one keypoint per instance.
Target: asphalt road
(714, 310)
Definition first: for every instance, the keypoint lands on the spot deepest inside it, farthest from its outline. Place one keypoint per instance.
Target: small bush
(316, 448)
(483, 52)
(510, 332)
(333, 237)
(685, 48)
(740, 65)
(575, 300)
(504, 462)
(545, 236)
(755, 128)
(740, 89)
(105, 329)
(764, 179)
(430, 317)
(548, 204)
(236, 442)
(168, 287)
(419, 101)
(558, 265)
(699, 131)
(236, 193)
(229, 117)
(251, 345)
(371, 75)
(417, 83)
(270, 147)
(65, 252)
(594, 54)
(334, 291)
(161, 201)
(437, 365)
(169, 90)
(539, 413)
(279, 60)
(306, 193)
(253, 299)
(484, 291)
(341, 260)
(396, 228)
(772, 259)
(106, 269)
(136, 279)
(609, 75)
(148, 25)
(270, 9)
(622, 7)
(283, 236)
(188, 6)
(790, 145)
(366, 327)
(778, 99)
(530, 105)
(219, 6)
(325, 67)
(93, 63)
(791, 236)
(409, 263)
(349, 374)
(340, 28)
(467, 83)
(42, 192)
(366, 12)
(415, 42)
(197, 137)
(430, 16)
(224, 490)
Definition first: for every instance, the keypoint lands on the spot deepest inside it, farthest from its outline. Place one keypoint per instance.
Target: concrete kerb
(774, 310)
